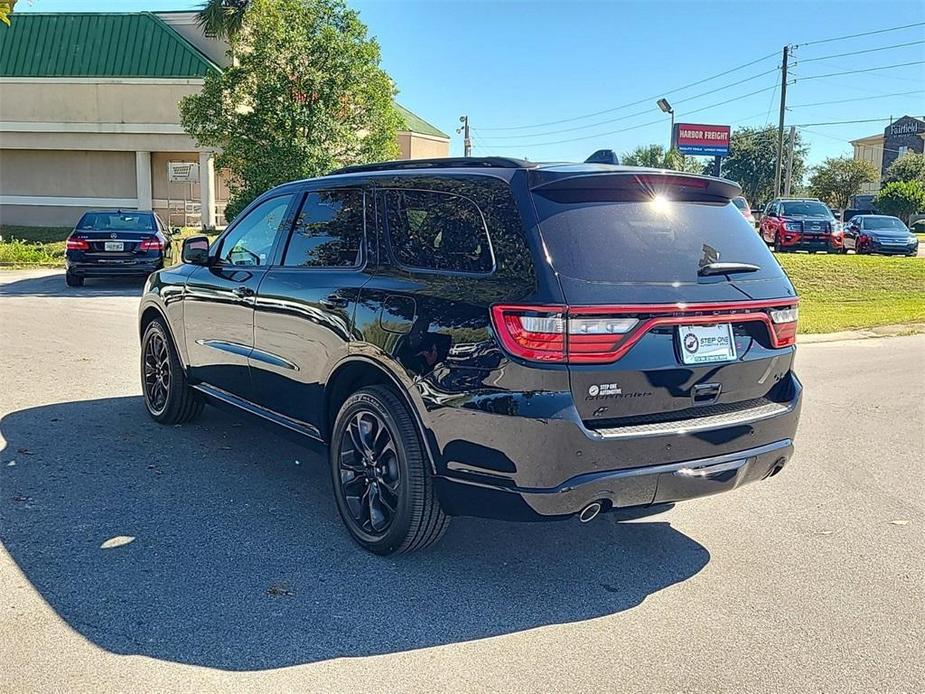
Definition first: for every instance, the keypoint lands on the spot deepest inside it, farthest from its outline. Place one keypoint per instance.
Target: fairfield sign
(702, 140)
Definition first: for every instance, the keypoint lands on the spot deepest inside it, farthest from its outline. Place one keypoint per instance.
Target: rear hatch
(672, 298)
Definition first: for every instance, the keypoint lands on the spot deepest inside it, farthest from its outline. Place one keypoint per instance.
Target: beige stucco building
(904, 135)
(89, 118)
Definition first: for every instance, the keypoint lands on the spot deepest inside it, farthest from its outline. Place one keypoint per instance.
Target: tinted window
(883, 223)
(740, 203)
(328, 231)
(437, 231)
(805, 209)
(117, 221)
(251, 240)
(646, 241)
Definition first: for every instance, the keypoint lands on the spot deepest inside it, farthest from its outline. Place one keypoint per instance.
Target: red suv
(801, 225)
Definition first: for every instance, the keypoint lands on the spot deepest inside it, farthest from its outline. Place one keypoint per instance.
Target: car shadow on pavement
(53, 285)
(218, 544)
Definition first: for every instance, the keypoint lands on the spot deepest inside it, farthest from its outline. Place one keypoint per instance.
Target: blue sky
(512, 64)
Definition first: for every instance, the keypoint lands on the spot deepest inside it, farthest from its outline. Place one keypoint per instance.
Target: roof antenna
(603, 156)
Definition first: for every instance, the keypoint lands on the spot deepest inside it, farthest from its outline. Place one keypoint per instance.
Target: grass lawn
(845, 292)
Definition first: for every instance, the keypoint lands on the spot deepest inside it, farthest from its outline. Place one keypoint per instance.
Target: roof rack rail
(441, 163)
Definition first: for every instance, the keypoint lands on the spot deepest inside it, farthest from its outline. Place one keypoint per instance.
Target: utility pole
(790, 147)
(467, 141)
(780, 126)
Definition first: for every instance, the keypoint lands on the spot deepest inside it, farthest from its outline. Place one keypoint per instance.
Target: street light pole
(665, 107)
(464, 129)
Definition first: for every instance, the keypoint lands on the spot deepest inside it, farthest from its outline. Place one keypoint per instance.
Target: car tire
(381, 474)
(73, 280)
(777, 247)
(168, 397)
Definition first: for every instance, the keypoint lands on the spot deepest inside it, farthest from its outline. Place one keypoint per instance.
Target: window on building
(328, 230)
(438, 231)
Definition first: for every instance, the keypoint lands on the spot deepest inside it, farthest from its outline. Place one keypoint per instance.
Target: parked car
(792, 224)
(740, 202)
(489, 337)
(108, 243)
(877, 233)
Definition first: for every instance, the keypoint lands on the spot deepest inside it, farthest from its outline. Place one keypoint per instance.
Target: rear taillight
(77, 244)
(603, 334)
(151, 244)
(784, 325)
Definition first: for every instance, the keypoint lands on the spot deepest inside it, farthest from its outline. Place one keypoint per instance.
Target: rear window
(883, 223)
(661, 241)
(117, 221)
(805, 209)
(740, 203)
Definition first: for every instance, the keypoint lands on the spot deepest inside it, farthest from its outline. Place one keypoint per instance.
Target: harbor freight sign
(702, 140)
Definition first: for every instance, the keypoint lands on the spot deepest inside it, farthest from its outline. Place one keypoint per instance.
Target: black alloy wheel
(167, 395)
(383, 483)
(370, 479)
(156, 365)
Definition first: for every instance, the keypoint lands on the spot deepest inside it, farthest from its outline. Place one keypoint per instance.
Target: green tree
(6, 9)
(836, 179)
(656, 157)
(751, 161)
(901, 199)
(909, 167)
(223, 18)
(305, 95)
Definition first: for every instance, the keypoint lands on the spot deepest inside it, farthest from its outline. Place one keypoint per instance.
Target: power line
(845, 122)
(636, 103)
(856, 98)
(870, 69)
(626, 117)
(866, 33)
(643, 125)
(869, 50)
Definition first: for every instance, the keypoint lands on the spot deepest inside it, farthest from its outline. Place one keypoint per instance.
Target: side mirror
(196, 250)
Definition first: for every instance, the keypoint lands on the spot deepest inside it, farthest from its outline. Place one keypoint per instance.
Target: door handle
(242, 291)
(333, 301)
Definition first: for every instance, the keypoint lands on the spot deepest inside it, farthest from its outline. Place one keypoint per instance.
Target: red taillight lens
(77, 244)
(152, 244)
(603, 334)
(534, 333)
(784, 325)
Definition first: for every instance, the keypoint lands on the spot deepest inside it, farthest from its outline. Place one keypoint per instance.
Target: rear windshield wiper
(726, 268)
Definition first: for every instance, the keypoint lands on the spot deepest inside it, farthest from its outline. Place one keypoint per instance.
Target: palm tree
(223, 18)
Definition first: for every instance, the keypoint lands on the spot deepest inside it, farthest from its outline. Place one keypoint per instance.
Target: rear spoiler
(631, 180)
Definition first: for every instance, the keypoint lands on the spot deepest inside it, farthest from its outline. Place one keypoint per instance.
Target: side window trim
(393, 258)
(303, 194)
(285, 228)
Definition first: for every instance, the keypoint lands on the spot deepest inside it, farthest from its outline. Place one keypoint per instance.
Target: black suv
(489, 337)
(111, 243)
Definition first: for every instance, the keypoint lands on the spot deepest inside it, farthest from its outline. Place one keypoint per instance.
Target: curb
(898, 330)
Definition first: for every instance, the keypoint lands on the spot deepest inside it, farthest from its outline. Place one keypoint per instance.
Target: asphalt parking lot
(210, 556)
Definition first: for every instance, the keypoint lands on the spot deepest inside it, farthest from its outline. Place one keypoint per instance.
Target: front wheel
(168, 397)
(382, 479)
(777, 247)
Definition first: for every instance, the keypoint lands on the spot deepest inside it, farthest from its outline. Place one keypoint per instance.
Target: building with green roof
(89, 118)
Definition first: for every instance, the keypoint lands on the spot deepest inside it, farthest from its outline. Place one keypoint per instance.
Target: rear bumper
(140, 267)
(656, 484)
(525, 468)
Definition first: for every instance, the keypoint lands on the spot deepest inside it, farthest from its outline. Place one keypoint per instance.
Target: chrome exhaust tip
(589, 512)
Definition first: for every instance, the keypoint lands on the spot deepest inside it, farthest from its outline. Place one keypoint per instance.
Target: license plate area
(705, 344)
(113, 246)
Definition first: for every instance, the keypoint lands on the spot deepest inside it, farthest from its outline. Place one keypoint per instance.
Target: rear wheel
(168, 397)
(73, 280)
(381, 475)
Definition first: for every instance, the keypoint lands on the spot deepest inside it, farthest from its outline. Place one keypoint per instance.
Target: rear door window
(328, 231)
(646, 241)
(430, 230)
